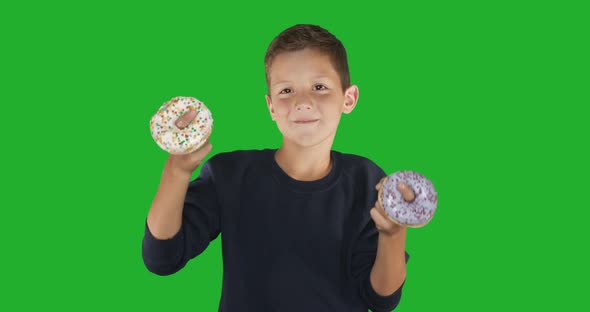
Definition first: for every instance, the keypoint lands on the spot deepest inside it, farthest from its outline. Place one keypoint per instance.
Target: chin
(305, 139)
(308, 141)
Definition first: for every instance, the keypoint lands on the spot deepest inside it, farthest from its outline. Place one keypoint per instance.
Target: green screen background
(488, 99)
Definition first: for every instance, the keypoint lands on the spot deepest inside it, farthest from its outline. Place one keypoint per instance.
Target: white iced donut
(411, 214)
(188, 139)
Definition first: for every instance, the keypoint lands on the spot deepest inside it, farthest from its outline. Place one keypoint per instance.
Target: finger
(407, 192)
(377, 216)
(202, 152)
(381, 222)
(205, 149)
(379, 206)
(186, 118)
(380, 184)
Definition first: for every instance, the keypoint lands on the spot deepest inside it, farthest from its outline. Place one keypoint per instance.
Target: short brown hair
(303, 36)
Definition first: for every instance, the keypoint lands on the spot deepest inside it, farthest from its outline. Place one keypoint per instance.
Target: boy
(301, 227)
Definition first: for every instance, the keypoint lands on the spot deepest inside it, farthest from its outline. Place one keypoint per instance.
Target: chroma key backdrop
(486, 99)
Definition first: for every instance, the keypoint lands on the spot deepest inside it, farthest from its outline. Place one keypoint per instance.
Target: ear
(351, 96)
(270, 107)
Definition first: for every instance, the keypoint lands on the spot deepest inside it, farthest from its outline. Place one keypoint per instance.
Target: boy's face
(306, 98)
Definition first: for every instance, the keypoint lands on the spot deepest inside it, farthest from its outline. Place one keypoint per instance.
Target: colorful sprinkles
(181, 141)
(417, 213)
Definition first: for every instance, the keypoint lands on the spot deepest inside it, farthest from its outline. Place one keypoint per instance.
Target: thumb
(407, 192)
(186, 118)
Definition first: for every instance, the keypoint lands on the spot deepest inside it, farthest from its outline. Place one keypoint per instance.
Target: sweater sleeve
(200, 225)
(364, 251)
(363, 258)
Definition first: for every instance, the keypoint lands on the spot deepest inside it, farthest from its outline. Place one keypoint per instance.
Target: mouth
(306, 121)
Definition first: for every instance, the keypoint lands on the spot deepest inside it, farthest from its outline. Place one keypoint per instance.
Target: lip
(305, 121)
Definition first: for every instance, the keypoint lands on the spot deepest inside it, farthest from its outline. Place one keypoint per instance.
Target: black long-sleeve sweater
(287, 245)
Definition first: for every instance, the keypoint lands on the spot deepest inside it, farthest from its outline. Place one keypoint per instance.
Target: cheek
(332, 98)
(281, 107)
(331, 104)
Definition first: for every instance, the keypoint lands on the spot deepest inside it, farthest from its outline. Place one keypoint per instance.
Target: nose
(303, 103)
(302, 107)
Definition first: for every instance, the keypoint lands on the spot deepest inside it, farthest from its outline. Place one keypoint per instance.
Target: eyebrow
(287, 81)
(280, 82)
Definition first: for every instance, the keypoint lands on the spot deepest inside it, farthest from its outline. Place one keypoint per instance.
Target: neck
(304, 163)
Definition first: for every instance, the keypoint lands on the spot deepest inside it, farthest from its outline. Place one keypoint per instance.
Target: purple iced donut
(412, 214)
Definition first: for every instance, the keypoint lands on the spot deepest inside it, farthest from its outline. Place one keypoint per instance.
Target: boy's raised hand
(187, 163)
(382, 222)
(186, 118)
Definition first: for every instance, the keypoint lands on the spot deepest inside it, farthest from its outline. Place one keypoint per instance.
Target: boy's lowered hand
(382, 222)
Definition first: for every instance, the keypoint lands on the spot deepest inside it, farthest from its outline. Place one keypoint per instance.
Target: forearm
(389, 270)
(165, 216)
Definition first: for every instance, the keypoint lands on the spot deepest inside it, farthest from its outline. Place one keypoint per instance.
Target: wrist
(397, 233)
(175, 171)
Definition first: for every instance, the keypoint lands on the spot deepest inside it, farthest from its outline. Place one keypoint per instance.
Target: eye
(285, 91)
(320, 87)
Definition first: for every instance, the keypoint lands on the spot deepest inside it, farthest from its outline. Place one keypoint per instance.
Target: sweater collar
(306, 186)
